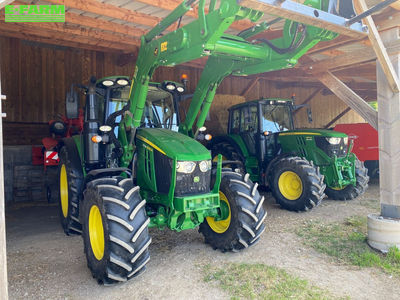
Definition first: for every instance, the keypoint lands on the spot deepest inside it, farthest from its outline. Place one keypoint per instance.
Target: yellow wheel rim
(64, 191)
(223, 225)
(96, 232)
(215, 159)
(338, 188)
(290, 185)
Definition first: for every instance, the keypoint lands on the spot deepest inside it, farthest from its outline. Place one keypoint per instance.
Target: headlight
(185, 166)
(205, 165)
(170, 86)
(122, 81)
(108, 82)
(105, 128)
(333, 140)
(180, 89)
(346, 140)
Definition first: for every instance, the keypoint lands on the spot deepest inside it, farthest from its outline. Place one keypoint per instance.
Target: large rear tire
(245, 223)
(296, 184)
(350, 192)
(115, 230)
(70, 180)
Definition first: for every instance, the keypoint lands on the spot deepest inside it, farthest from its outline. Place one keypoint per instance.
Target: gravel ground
(43, 263)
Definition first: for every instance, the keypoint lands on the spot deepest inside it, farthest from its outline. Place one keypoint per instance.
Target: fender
(73, 153)
(239, 147)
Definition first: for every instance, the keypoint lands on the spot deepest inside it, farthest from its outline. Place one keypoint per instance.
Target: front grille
(188, 184)
(340, 150)
(163, 166)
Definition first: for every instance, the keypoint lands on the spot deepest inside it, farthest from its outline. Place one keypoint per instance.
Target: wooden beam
(313, 94)
(388, 22)
(3, 249)
(250, 86)
(112, 11)
(342, 91)
(103, 25)
(347, 60)
(73, 18)
(57, 42)
(51, 34)
(278, 8)
(78, 30)
(338, 117)
(379, 48)
(5, 2)
(170, 5)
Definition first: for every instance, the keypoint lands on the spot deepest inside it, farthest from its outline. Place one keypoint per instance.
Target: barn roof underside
(116, 26)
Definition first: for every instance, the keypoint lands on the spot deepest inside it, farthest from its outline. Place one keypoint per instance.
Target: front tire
(296, 184)
(350, 192)
(245, 223)
(115, 230)
(70, 181)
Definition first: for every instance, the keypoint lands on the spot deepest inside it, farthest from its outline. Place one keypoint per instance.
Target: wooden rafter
(338, 117)
(276, 9)
(5, 2)
(169, 5)
(112, 11)
(74, 30)
(57, 42)
(379, 49)
(348, 96)
(250, 86)
(49, 34)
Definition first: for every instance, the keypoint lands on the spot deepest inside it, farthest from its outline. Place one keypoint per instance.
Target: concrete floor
(43, 263)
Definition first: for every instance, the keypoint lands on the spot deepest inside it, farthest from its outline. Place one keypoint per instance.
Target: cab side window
(236, 121)
(249, 119)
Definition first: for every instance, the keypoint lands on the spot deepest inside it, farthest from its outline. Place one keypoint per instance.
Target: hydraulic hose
(293, 45)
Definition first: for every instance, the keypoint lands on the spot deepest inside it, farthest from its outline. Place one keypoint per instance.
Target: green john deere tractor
(298, 165)
(129, 170)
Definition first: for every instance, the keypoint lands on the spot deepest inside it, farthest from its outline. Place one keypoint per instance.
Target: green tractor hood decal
(173, 144)
(314, 132)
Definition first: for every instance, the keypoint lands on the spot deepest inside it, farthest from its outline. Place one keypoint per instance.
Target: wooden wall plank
(40, 74)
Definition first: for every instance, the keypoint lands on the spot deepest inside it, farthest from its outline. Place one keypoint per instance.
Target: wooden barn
(338, 80)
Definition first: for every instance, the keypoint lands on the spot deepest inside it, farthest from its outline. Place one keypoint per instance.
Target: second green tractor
(298, 165)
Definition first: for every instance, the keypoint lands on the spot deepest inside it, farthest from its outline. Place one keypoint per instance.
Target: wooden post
(3, 252)
(384, 229)
(389, 138)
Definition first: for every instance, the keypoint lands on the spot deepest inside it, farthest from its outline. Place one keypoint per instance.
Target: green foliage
(347, 242)
(258, 281)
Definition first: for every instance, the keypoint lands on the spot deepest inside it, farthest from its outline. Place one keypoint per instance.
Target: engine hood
(173, 144)
(312, 132)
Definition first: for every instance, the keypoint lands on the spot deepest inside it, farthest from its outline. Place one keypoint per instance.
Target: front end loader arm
(228, 54)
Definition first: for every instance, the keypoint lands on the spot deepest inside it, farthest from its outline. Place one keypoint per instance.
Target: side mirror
(309, 115)
(72, 104)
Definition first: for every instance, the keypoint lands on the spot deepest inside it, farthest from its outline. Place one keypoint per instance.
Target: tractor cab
(258, 122)
(160, 109)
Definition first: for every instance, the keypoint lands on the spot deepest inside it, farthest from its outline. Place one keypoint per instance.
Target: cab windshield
(159, 111)
(276, 118)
